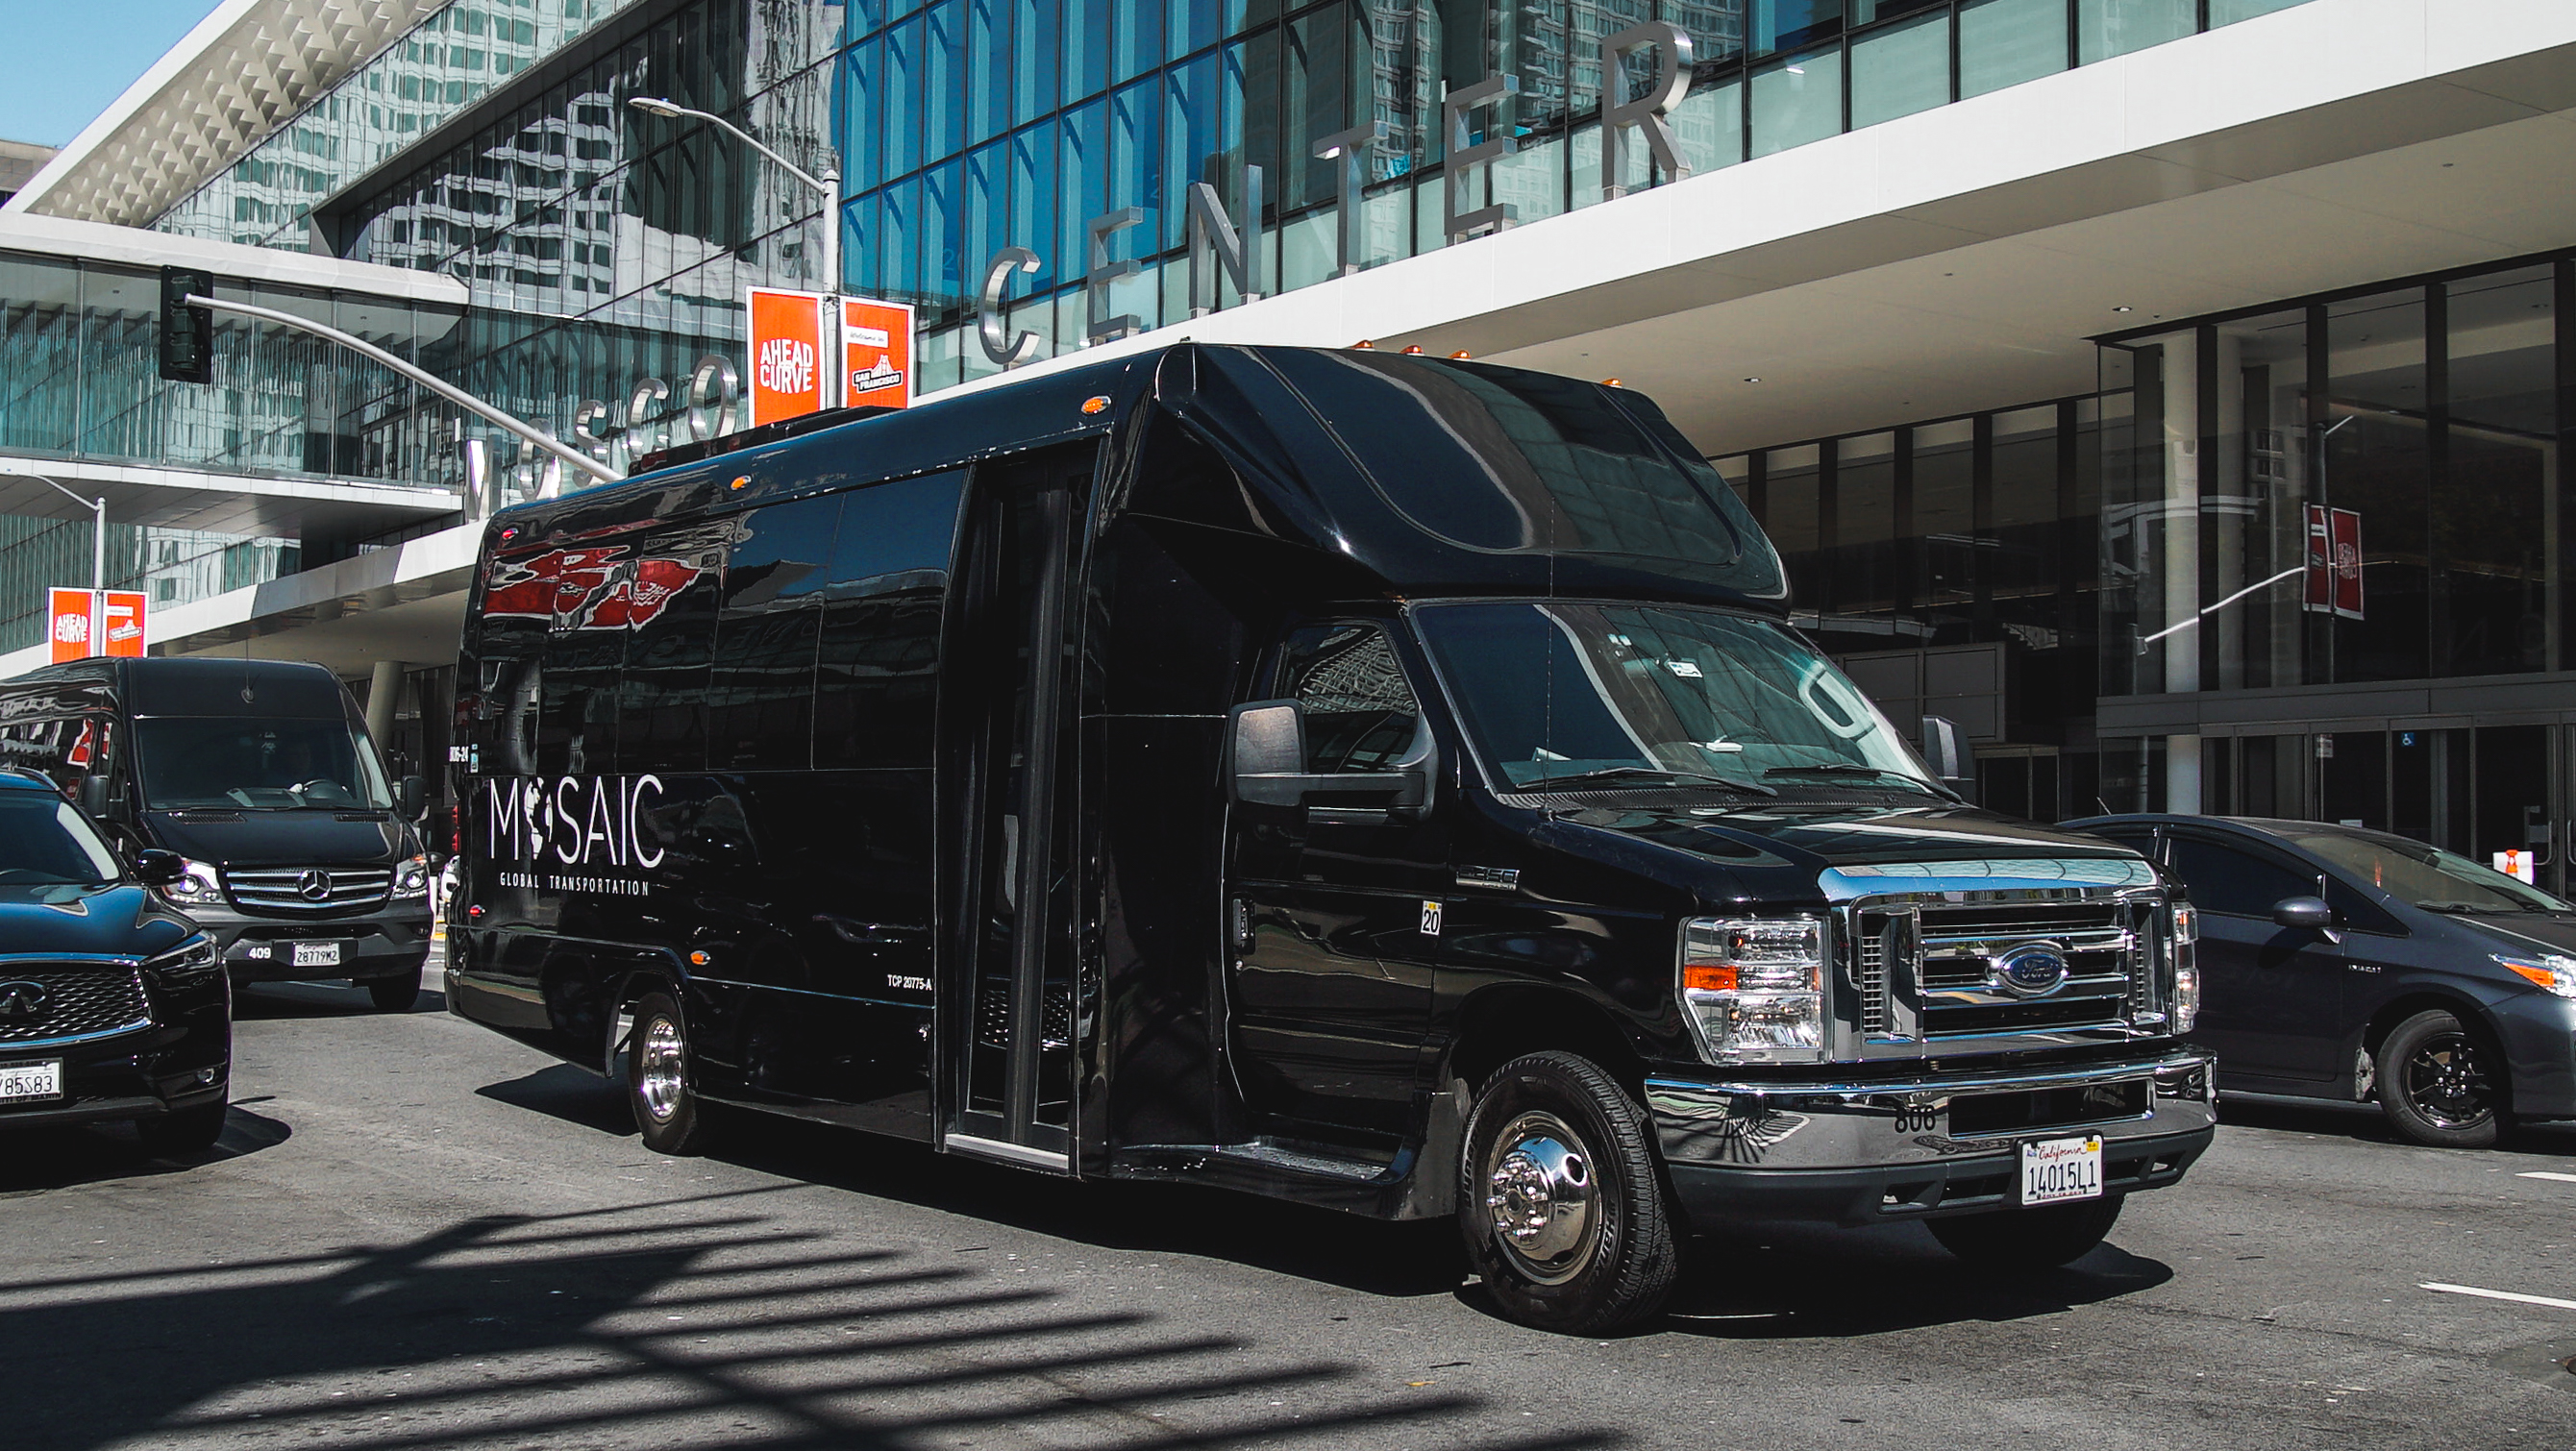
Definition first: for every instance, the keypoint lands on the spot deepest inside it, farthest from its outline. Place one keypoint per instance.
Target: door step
(1000, 1152)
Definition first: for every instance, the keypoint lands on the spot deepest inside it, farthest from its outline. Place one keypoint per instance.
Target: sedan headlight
(2554, 972)
(2186, 955)
(195, 959)
(1754, 989)
(198, 886)
(411, 879)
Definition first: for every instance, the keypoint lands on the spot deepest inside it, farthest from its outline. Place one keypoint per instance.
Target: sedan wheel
(2441, 1083)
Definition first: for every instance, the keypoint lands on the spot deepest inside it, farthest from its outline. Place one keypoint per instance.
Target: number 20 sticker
(1430, 919)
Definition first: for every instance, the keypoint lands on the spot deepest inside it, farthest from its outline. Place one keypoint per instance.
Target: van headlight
(411, 879)
(2186, 963)
(1754, 988)
(195, 959)
(198, 885)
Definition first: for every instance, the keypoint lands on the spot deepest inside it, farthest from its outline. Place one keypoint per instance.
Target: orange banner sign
(121, 628)
(786, 354)
(68, 624)
(876, 352)
(81, 624)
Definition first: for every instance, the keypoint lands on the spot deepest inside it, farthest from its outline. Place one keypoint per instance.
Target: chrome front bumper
(1910, 1121)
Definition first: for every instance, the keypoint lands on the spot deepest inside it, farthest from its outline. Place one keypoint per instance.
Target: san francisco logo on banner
(80, 623)
(876, 352)
(786, 354)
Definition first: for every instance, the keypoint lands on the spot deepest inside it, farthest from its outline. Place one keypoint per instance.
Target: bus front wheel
(667, 1111)
(1564, 1215)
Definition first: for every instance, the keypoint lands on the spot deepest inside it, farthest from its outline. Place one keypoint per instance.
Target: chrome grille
(1938, 957)
(79, 999)
(292, 889)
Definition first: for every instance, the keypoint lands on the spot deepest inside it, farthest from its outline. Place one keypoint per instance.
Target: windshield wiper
(1678, 778)
(1843, 768)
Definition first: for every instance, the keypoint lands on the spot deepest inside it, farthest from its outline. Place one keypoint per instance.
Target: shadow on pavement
(59, 1158)
(686, 1324)
(285, 1001)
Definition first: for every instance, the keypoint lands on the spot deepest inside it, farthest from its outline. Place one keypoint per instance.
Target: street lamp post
(829, 184)
(98, 542)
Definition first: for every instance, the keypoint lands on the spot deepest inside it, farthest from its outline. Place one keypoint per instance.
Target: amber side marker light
(1709, 977)
(740, 482)
(699, 958)
(1094, 405)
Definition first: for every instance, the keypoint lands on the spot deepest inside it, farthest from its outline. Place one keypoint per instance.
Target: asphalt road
(415, 1234)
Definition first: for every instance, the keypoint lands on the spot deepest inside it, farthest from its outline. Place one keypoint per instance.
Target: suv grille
(308, 889)
(1948, 953)
(79, 999)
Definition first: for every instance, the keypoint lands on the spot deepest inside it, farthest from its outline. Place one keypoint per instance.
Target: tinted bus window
(509, 642)
(771, 618)
(875, 681)
(666, 599)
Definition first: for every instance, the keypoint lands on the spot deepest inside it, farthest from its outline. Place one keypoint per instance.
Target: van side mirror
(2304, 914)
(1266, 761)
(154, 867)
(407, 797)
(98, 796)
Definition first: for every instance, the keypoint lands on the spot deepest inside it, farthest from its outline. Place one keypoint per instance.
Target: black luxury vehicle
(112, 1006)
(2345, 964)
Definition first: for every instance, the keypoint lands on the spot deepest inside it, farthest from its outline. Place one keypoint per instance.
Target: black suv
(112, 1006)
(2344, 964)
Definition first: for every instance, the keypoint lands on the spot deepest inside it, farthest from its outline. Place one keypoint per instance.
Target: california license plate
(317, 954)
(2055, 1170)
(29, 1082)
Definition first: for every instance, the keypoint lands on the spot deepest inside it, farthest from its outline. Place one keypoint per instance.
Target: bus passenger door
(1329, 988)
(1009, 1010)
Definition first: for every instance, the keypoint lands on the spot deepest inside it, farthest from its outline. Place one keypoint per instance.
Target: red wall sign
(876, 352)
(2333, 582)
(786, 354)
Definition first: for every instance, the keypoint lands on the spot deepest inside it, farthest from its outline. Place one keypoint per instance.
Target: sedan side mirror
(1266, 746)
(155, 867)
(2306, 914)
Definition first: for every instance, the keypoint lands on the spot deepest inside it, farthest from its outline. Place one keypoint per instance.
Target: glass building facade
(609, 249)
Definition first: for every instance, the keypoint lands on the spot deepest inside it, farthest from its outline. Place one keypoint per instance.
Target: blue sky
(66, 59)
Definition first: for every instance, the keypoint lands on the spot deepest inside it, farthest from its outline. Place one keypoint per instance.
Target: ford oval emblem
(2030, 970)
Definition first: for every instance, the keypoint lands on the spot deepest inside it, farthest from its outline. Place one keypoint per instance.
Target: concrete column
(2182, 774)
(384, 687)
(2181, 531)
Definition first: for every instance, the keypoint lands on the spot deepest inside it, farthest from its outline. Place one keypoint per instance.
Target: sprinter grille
(308, 889)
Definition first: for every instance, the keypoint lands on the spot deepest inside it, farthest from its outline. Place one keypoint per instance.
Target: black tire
(1559, 1146)
(183, 1131)
(2442, 1083)
(395, 994)
(2028, 1241)
(658, 1078)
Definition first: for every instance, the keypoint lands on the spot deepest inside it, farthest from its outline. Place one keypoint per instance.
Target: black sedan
(112, 1006)
(2344, 964)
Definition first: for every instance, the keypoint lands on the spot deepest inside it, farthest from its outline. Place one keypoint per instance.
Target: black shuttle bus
(1376, 781)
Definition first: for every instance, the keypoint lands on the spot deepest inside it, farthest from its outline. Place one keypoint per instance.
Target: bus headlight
(2186, 957)
(1754, 988)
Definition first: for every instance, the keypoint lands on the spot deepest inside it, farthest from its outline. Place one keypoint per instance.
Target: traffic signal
(187, 333)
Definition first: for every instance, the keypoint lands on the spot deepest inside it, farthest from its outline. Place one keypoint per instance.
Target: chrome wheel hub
(1541, 1195)
(660, 1077)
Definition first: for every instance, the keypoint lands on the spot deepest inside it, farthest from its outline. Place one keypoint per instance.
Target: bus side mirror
(1266, 750)
(407, 797)
(1951, 762)
(98, 796)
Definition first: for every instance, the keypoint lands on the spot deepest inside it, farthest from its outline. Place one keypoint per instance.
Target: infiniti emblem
(314, 885)
(2030, 969)
(22, 1002)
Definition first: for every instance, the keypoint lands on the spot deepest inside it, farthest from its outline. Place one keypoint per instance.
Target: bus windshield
(1605, 695)
(45, 843)
(257, 765)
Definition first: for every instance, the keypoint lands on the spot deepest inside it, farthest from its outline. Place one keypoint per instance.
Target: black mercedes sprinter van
(301, 858)
(1377, 781)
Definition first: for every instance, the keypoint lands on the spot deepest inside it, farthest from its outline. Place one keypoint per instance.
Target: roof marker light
(1609, 382)
(1413, 350)
(1363, 345)
(1459, 356)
